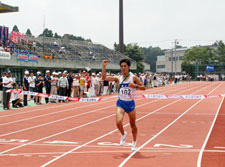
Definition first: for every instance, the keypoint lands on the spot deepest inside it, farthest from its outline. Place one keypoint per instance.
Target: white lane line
(133, 153)
(57, 112)
(76, 148)
(83, 126)
(30, 111)
(208, 135)
(219, 147)
(114, 151)
(59, 120)
(77, 127)
(37, 126)
(150, 90)
(39, 116)
(49, 162)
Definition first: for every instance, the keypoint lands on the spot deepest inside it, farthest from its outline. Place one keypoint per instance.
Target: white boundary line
(30, 111)
(150, 90)
(76, 148)
(116, 151)
(91, 123)
(59, 120)
(2, 124)
(77, 127)
(208, 135)
(57, 112)
(40, 125)
(174, 121)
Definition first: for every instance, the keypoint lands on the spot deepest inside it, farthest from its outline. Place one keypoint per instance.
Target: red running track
(170, 132)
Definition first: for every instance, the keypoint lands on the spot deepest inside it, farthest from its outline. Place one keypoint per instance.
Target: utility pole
(171, 53)
(175, 56)
(121, 43)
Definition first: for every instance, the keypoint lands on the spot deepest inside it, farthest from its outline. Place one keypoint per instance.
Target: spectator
(88, 81)
(106, 87)
(82, 83)
(63, 85)
(47, 85)
(55, 44)
(54, 81)
(25, 87)
(7, 85)
(76, 86)
(1, 88)
(16, 101)
(93, 85)
(31, 81)
(70, 81)
(100, 84)
(39, 88)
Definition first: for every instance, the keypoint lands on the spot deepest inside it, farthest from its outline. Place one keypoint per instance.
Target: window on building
(160, 66)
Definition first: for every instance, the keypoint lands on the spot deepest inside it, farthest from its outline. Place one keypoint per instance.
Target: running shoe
(123, 139)
(134, 146)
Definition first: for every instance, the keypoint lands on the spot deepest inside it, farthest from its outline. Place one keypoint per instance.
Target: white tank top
(125, 91)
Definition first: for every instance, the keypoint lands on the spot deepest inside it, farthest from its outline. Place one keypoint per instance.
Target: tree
(140, 66)
(134, 52)
(150, 55)
(220, 52)
(15, 28)
(199, 55)
(57, 36)
(47, 33)
(28, 32)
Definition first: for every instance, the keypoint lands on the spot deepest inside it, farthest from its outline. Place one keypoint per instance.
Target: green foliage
(28, 32)
(57, 36)
(220, 52)
(15, 28)
(77, 38)
(47, 33)
(150, 54)
(140, 67)
(134, 52)
(199, 55)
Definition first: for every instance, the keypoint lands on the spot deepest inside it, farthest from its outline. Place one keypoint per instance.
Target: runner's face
(124, 67)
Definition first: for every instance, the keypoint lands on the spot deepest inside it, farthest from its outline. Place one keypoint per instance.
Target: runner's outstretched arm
(104, 77)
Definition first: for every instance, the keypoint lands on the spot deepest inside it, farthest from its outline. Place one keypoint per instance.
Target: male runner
(128, 83)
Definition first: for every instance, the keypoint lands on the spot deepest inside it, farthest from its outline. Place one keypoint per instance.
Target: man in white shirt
(31, 81)
(7, 85)
(54, 81)
(93, 85)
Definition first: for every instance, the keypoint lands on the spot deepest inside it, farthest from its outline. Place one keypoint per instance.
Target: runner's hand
(105, 62)
(132, 85)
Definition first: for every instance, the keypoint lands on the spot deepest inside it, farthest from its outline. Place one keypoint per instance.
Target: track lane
(188, 130)
(72, 150)
(89, 132)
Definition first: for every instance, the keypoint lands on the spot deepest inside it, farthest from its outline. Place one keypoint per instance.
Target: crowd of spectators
(83, 84)
(17, 48)
(210, 77)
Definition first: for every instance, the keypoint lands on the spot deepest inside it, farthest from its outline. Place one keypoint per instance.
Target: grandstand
(74, 50)
(7, 8)
(58, 55)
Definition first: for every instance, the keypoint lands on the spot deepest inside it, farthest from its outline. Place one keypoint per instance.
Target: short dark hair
(125, 61)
